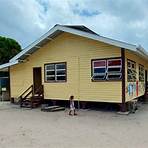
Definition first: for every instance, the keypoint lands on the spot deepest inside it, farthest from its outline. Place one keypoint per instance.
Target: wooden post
(123, 104)
(32, 97)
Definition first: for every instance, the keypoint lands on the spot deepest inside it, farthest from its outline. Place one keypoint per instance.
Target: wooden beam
(27, 54)
(48, 38)
(37, 47)
(23, 60)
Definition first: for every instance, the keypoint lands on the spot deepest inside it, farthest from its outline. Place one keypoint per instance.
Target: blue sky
(27, 20)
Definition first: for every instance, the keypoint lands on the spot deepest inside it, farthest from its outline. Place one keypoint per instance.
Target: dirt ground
(25, 128)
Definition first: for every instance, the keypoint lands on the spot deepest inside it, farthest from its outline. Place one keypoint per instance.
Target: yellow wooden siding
(141, 85)
(78, 53)
(107, 91)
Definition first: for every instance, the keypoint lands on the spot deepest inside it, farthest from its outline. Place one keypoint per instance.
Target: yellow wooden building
(73, 60)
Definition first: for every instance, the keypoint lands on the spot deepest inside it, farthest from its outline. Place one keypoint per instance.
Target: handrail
(26, 90)
(39, 91)
(23, 98)
(28, 93)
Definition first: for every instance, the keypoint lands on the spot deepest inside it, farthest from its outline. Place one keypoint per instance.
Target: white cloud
(27, 20)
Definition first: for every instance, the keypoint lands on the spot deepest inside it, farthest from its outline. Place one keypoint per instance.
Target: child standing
(72, 106)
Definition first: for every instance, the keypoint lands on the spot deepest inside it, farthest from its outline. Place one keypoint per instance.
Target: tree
(8, 49)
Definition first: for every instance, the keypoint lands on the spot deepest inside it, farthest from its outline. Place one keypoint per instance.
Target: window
(55, 72)
(107, 69)
(4, 74)
(131, 71)
(99, 69)
(114, 67)
(141, 73)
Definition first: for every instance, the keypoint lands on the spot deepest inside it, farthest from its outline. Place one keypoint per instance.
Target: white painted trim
(8, 64)
(51, 31)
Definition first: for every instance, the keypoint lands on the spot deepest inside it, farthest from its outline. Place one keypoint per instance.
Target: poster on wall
(130, 89)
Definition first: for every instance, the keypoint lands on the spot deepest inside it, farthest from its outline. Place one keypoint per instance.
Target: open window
(114, 67)
(107, 69)
(141, 73)
(131, 71)
(99, 69)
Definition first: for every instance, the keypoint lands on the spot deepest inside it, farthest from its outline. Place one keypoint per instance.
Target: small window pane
(129, 71)
(99, 70)
(99, 63)
(99, 77)
(50, 73)
(61, 72)
(133, 65)
(114, 76)
(61, 66)
(61, 78)
(114, 62)
(115, 69)
(128, 64)
(50, 78)
(50, 67)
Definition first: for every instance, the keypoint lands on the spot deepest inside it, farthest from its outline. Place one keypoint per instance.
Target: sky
(26, 20)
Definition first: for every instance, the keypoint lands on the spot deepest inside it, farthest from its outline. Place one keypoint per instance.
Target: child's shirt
(72, 105)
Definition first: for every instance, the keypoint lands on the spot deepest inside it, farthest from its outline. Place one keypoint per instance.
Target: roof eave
(51, 31)
(3, 66)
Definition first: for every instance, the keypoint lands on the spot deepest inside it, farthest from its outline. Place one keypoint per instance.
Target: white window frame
(100, 74)
(141, 66)
(114, 73)
(131, 62)
(55, 70)
(106, 74)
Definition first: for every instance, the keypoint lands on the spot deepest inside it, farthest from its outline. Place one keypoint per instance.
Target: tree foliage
(8, 49)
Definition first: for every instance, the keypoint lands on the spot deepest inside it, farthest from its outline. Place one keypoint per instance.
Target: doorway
(37, 77)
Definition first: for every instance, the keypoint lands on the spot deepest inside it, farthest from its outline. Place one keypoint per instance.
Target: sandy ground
(25, 128)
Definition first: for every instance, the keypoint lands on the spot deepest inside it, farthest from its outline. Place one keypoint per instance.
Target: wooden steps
(52, 108)
(31, 98)
(31, 102)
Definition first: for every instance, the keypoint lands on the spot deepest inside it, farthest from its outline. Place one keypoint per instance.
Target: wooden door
(37, 77)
